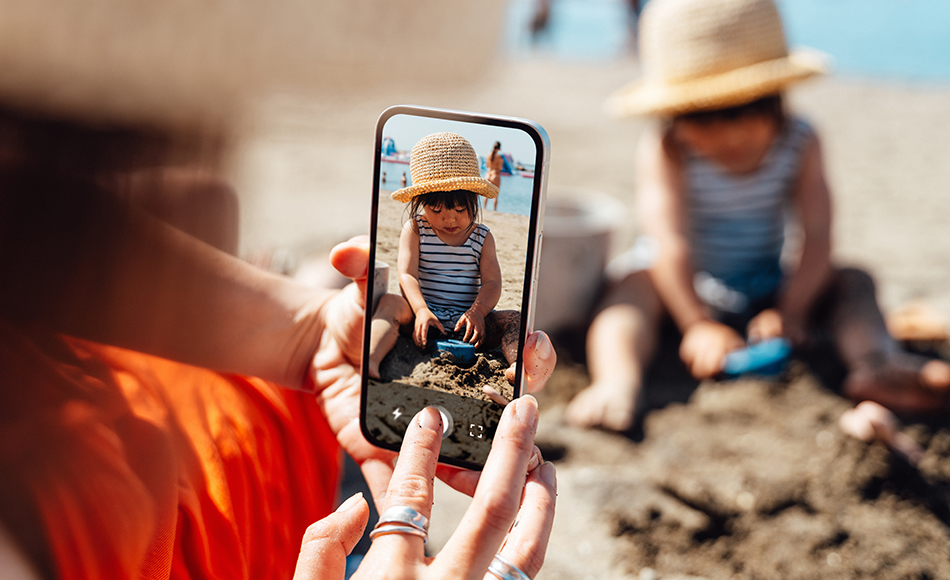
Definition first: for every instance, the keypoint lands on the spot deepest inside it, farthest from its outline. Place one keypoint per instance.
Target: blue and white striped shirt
(737, 222)
(450, 276)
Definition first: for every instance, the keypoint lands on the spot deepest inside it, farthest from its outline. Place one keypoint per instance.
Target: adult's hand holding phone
(335, 372)
(511, 514)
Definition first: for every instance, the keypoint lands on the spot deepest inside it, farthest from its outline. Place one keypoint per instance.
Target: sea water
(894, 39)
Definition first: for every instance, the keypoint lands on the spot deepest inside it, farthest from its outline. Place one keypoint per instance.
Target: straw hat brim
(728, 89)
(474, 184)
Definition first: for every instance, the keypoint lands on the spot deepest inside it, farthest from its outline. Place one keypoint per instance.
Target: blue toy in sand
(766, 358)
(463, 352)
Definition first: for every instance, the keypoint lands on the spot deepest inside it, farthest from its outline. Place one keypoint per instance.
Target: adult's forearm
(152, 288)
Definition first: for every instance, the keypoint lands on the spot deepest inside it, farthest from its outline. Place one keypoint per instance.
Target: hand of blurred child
(474, 325)
(425, 319)
(771, 323)
(705, 344)
(765, 325)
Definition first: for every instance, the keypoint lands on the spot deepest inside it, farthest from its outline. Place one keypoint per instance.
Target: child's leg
(503, 327)
(621, 342)
(392, 312)
(878, 369)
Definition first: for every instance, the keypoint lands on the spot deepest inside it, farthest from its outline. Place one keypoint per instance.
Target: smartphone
(439, 259)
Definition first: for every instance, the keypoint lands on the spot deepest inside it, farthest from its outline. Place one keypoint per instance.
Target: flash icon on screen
(397, 413)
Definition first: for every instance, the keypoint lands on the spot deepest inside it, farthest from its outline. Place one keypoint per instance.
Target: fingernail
(536, 459)
(350, 503)
(543, 347)
(548, 474)
(430, 418)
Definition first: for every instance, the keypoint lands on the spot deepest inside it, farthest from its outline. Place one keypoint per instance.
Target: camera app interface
(452, 231)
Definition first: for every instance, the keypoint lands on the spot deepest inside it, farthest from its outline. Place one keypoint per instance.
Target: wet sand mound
(432, 370)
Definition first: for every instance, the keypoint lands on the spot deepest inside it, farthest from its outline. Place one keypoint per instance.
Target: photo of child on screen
(449, 274)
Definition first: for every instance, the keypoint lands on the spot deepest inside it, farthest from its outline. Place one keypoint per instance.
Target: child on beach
(448, 269)
(716, 177)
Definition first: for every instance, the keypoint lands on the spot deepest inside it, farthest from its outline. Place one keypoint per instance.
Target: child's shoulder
(800, 128)
(480, 232)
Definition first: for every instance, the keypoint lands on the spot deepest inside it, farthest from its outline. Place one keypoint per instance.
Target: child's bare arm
(663, 213)
(813, 203)
(490, 271)
(408, 265)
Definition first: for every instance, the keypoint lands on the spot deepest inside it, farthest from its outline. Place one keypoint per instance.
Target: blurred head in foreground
(100, 96)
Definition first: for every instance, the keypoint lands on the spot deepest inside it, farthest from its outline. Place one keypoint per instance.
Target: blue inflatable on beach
(463, 352)
(766, 358)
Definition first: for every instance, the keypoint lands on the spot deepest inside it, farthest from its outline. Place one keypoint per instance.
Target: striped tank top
(450, 276)
(737, 222)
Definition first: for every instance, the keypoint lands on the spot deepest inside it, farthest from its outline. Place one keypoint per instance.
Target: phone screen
(456, 228)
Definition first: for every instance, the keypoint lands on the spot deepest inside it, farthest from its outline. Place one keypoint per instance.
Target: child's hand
(771, 323)
(425, 319)
(474, 324)
(705, 345)
(766, 324)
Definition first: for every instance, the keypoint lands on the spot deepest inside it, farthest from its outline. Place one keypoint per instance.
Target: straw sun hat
(444, 162)
(711, 54)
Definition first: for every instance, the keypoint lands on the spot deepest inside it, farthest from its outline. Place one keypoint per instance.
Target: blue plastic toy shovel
(766, 358)
(463, 352)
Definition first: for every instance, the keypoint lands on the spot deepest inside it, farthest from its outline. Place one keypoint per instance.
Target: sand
(735, 480)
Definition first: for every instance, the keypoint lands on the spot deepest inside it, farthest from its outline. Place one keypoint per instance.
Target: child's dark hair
(447, 199)
(771, 106)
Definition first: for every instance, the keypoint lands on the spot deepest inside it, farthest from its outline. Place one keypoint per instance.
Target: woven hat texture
(444, 162)
(196, 62)
(709, 54)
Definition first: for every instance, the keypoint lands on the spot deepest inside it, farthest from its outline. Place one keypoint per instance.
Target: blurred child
(448, 269)
(716, 178)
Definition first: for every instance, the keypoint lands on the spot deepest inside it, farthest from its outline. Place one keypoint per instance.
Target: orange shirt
(115, 464)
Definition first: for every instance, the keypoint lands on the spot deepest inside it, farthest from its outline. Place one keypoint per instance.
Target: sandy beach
(748, 479)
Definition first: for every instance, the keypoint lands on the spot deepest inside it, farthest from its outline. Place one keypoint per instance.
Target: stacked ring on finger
(401, 519)
(503, 569)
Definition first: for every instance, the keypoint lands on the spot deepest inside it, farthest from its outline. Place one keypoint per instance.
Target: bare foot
(612, 406)
(373, 369)
(902, 383)
(870, 421)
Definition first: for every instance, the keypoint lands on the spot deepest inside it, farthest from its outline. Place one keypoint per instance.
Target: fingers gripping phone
(457, 211)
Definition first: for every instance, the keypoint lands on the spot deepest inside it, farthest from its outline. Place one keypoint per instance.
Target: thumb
(327, 542)
(351, 258)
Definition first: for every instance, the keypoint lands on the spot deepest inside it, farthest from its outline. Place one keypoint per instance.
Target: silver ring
(411, 530)
(503, 569)
(401, 514)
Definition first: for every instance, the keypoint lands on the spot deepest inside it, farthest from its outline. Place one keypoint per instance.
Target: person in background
(495, 164)
(171, 411)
